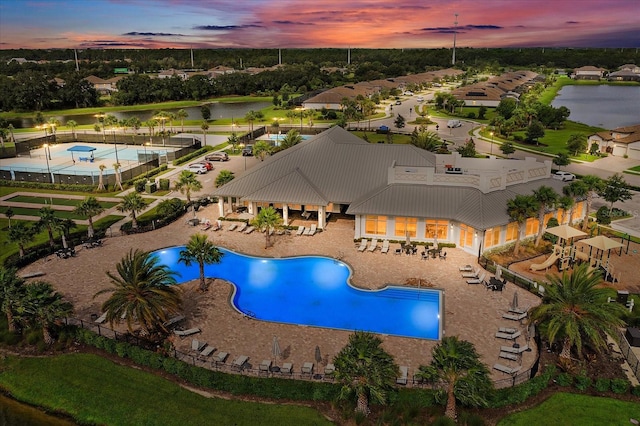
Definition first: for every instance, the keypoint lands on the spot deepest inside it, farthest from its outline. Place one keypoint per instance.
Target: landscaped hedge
(48, 186)
(193, 155)
(520, 393)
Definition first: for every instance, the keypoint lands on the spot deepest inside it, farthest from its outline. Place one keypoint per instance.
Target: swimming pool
(314, 291)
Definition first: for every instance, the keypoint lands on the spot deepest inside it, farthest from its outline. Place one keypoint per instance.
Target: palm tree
(594, 184)
(72, 124)
(135, 124)
(44, 306)
(89, 207)
(575, 311)
(267, 221)
(21, 234)
(116, 171)
(458, 373)
(100, 180)
(521, 208)
(204, 126)
(181, 115)
(290, 139)
(188, 182)
(203, 251)
(546, 198)
(223, 177)
(12, 293)
(576, 189)
(566, 203)
(64, 226)
(261, 149)
(47, 221)
(133, 203)
(142, 291)
(365, 370)
(9, 213)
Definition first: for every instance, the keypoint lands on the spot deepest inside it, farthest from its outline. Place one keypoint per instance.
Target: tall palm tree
(576, 190)
(365, 370)
(142, 291)
(21, 234)
(133, 203)
(44, 306)
(458, 373)
(204, 126)
(12, 291)
(575, 311)
(188, 182)
(89, 207)
(102, 168)
(566, 203)
(72, 124)
(594, 184)
(200, 249)
(63, 226)
(521, 208)
(267, 221)
(47, 220)
(181, 115)
(290, 139)
(547, 199)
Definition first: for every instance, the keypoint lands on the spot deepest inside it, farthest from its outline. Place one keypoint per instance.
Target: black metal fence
(628, 353)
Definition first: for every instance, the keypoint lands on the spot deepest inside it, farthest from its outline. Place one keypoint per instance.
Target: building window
(376, 225)
(436, 229)
(531, 227)
(492, 237)
(512, 232)
(406, 226)
(466, 236)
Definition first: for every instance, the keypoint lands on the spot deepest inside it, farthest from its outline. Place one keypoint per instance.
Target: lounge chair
(242, 227)
(173, 321)
(189, 332)
(220, 357)
(287, 368)
(478, 280)
(404, 373)
(508, 336)
(473, 274)
(300, 230)
(306, 215)
(265, 366)
(197, 345)
(249, 230)
(102, 318)
(312, 230)
(466, 268)
(207, 351)
(515, 317)
(239, 362)
(363, 245)
(513, 350)
(307, 368)
(508, 355)
(232, 227)
(373, 246)
(519, 311)
(508, 330)
(506, 369)
(329, 369)
(385, 247)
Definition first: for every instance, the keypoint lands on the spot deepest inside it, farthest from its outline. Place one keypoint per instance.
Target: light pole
(46, 146)
(491, 150)
(115, 146)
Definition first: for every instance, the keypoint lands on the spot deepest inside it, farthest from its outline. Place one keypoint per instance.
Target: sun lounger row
(373, 245)
(311, 230)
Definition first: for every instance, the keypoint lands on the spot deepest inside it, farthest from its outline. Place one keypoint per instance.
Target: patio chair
(478, 280)
(249, 230)
(220, 357)
(307, 368)
(287, 368)
(443, 256)
(508, 336)
(363, 245)
(404, 373)
(398, 251)
(385, 247)
(207, 351)
(300, 230)
(232, 227)
(242, 227)
(506, 369)
(473, 274)
(515, 317)
(197, 345)
(373, 246)
(239, 362)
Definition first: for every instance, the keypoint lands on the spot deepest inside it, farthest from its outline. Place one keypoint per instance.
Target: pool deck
(471, 312)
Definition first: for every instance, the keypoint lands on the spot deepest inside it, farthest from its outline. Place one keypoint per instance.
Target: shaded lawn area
(6, 190)
(56, 201)
(580, 410)
(555, 141)
(94, 390)
(63, 214)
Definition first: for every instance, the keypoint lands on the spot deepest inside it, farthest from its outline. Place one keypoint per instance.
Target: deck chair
(363, 245)
(404, 373)
(508, 330)
(373, 246)
(478, 280)
(242, 227)
(307, 368)
(173, 321)
(312, 230)
(300, 230)
(513, 350)
(508, 336)
(466, 268)
(102, 318)
(197, 345)
(473, 274)
(207, 351)
(506, 369)
(232, 227)
(515, 317)
(508, 355)
(265, 366)
(189, 332)
(239, 362)
(287, 368)
(329, 369)
(249, 230)
(385, 247)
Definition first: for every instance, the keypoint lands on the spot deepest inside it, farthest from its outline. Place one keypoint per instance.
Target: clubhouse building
(395, 191)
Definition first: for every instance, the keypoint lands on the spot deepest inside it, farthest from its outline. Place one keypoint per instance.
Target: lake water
(13, 413)
(603, 106)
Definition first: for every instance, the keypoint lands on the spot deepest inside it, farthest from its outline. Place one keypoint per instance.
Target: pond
(603, 106)
(218, 111)
(14, 413)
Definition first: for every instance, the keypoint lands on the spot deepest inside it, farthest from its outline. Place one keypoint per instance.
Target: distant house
(103, 86)
(627, 72)
(171, 72)
(489, 93)
(620, 142)
(588, 73)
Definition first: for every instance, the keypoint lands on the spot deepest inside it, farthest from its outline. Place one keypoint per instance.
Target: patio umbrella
(408, 238)
(565, 232)
(318, 355)
(275, 348)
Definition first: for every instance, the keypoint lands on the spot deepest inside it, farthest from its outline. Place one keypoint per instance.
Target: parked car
(563, 176)
(207, 164)
(247, 151)
(217, 156)
(454, 123)
(398, 102)
(197, 168)
(420, 98)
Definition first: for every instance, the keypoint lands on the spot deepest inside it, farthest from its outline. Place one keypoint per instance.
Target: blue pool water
(280, 137)
(314, 291)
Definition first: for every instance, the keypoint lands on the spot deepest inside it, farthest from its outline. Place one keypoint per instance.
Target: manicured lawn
(555, 141)
(5, 190)
(97, 391)
(36, 212)
(55, 201)
(579, 410)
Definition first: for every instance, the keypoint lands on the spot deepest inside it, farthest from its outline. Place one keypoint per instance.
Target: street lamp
(46, 146)
(491, 150)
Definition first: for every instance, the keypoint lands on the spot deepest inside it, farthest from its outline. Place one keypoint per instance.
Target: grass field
(63, 214)
(55, 201)
(96, 391)
(580, 410)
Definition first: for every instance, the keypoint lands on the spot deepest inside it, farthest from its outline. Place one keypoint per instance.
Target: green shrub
(121, 349)
(139, 185)
(602, 385)
(582, 382)
(518, 394)
(164, 184)
(564, 379)
(33, 336)
(602, 216)
(620, 386)
(635, 391)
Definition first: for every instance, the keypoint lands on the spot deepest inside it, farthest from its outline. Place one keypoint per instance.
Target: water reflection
(13, 413)
(218, 111)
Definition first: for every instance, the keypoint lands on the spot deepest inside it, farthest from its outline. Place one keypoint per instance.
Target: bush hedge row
(193, 155)
(47, 186)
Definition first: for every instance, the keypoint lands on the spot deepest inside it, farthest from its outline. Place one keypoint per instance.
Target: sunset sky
(317, 23)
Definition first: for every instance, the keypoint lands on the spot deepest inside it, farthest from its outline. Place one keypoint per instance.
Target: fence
(628, 353)
(227, 366)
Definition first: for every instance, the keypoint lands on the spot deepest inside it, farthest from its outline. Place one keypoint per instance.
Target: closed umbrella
(318, 355)
(514, 302)
(275, 348)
